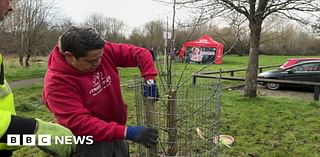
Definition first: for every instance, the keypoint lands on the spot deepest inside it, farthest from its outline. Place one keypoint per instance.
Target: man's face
(88, 63)
(5, 8)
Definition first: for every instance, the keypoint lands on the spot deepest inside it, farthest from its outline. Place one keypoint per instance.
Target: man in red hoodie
(82, 89)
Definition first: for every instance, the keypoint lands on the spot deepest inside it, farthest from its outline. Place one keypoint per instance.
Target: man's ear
(68, 54)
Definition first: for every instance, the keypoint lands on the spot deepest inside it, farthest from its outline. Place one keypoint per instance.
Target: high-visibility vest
(6, 104)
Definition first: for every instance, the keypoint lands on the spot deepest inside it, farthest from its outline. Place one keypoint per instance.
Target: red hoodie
(91, 103)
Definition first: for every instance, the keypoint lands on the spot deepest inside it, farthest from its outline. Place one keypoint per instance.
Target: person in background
(12, 124)
(173, 54)
(153, 53)
(82, 89)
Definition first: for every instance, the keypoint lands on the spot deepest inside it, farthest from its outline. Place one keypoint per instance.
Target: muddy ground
(291, 93)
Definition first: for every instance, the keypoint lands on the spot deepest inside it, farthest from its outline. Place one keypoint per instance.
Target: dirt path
(263, 91)
(24, 83)
(303, 95)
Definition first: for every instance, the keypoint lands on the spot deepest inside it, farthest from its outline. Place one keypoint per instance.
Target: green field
(262, 127)
(13, 71)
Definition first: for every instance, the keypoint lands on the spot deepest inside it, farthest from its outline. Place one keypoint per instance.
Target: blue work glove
(150, 89)
(143, 135)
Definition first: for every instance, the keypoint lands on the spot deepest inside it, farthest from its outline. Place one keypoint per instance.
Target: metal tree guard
(177, 115)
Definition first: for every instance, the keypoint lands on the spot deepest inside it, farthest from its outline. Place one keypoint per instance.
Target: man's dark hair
(79, 41)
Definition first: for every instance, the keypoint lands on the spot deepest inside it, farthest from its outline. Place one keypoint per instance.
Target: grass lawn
(270, 126)
(13, 71)
(262, 127)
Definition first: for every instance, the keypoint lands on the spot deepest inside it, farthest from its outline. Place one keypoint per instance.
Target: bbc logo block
(13, 140)
(28, 140)
(44, 140)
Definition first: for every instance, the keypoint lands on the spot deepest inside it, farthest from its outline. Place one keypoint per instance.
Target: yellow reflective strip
(7, 104)
(5, 119)
(5, 89)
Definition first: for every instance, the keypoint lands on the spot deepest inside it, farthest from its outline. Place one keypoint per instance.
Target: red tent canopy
(203, 42)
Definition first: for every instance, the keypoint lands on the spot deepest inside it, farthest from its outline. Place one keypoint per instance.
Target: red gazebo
(204, 42)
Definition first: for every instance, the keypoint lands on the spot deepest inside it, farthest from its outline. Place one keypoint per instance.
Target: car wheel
(273, 86)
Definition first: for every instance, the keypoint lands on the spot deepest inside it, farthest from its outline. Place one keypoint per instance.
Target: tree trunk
(21, 60)
(172, 124)
(250, 89)
(21, 49)
(27, 60)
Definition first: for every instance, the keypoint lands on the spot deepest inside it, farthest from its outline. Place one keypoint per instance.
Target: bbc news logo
(46, 140)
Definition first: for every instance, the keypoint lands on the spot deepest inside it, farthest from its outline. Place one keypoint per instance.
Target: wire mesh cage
(187, 118)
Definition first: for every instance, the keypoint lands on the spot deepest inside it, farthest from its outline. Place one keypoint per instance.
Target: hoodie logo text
(99, 82)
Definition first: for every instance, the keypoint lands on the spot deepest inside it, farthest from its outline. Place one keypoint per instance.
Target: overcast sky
(133, 12)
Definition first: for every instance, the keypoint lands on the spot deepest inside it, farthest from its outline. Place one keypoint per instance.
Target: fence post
(150, 110)
(194, 79)
(316, 92)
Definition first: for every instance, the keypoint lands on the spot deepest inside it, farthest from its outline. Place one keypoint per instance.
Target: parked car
(293, 61)
(304, 71)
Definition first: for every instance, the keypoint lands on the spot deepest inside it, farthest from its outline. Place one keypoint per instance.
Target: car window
(307, 67)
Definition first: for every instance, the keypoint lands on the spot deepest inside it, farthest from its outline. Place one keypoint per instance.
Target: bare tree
(28, 25)
(55, 30)
(110, 28)
(116, 30)
(316, 27)
(136, 37)
(154, 34)
(255, 11)
(98, 22)
(238, 31)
